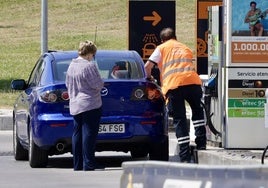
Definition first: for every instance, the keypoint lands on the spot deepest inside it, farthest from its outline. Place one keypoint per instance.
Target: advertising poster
(249, 41)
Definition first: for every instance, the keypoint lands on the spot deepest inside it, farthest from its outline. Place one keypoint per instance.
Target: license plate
(112, 128)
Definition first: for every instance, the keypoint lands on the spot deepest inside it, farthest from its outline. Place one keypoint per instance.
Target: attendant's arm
(148, 68)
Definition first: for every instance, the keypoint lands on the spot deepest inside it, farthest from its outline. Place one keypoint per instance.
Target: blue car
(134, 118)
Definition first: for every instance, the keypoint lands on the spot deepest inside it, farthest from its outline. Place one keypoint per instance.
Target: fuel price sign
(249, 49)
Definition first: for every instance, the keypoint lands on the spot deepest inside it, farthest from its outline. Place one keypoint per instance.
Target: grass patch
(69, 22)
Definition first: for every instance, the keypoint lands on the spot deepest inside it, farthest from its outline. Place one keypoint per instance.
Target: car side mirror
(19, 84)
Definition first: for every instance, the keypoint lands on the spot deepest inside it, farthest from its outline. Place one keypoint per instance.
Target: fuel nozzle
(211, 91)
(211, 84)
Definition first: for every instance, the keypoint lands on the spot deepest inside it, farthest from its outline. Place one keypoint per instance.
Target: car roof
(104, 53)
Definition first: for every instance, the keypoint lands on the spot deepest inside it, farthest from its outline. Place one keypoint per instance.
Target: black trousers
(176, 107)
(86, 127)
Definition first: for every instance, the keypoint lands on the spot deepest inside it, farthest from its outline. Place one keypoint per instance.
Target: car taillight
(65, 95)
(139, 93)
(54, 96)
(153, 92)
(150, 91)
(48, 97)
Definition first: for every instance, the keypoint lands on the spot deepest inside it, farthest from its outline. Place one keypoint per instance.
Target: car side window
(36, 74)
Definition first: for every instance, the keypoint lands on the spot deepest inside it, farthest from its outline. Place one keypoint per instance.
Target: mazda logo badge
(104, 91)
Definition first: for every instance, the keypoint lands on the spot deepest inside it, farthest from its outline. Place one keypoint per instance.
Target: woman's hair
(167, 33)
(87, 47)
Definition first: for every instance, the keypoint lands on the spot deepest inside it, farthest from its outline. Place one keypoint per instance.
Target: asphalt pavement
(213, 155)
(5, 119)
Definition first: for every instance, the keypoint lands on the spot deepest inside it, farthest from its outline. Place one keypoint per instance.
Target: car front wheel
(139, 152)
(37, 157)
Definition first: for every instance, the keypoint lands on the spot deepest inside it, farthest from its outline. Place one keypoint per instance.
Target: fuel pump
(213, 98)
(235, 103)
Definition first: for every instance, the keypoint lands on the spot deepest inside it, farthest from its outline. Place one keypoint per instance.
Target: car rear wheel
(139, 153)
(159, 150)
(19, 152)
(37, 157)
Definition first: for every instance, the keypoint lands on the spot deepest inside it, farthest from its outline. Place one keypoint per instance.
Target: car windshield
(108, 68)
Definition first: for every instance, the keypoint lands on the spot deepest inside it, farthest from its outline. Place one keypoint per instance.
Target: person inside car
(120, 71)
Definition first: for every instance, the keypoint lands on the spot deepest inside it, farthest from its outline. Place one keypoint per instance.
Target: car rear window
(60, 69)
(119, 68)
(109, 68)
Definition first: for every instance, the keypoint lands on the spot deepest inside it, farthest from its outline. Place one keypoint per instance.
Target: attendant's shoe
(186, 161)
(78, 169)
(201, 148)
(99, 167)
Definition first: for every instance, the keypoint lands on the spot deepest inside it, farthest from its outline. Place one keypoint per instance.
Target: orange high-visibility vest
(176, 67)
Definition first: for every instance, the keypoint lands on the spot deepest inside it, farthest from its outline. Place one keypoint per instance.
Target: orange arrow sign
(155, 18)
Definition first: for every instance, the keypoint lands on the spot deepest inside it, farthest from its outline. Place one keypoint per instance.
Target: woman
(84, 84)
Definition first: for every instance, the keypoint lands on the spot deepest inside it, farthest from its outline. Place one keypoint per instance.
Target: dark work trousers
(176, 107)
(86, 128)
